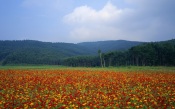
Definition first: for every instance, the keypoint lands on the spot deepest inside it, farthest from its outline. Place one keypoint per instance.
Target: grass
(121, 68)
(31, 67)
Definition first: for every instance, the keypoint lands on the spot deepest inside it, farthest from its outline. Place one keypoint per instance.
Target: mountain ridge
(114, 45)
(38, 52)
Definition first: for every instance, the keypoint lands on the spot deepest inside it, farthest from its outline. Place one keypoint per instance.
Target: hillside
(36, 52)
(146, 54)
(113, 45)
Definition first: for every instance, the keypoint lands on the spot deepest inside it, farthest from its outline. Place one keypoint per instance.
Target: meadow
(90, 88)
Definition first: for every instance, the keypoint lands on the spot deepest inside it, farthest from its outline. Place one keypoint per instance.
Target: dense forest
(146, 54)
(88, 54)
(36, 52)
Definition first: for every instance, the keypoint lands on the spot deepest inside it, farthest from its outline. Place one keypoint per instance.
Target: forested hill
(36, 52)
(146, 54)
(113, 45)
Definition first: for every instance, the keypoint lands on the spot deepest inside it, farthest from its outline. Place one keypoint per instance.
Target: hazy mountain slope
(106, 46)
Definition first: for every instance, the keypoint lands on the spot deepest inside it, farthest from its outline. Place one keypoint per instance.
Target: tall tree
(103, 59)
(100, 54)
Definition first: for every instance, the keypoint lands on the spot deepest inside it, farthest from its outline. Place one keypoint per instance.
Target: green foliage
(84, 54)
(118, 69)
(147, 54)
(36, 52)
(82, 61)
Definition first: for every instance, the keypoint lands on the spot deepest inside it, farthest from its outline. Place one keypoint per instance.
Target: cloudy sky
(87, 20)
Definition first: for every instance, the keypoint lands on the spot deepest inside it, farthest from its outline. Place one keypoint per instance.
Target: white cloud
(143, 21)
(90, 24)
(86, 14)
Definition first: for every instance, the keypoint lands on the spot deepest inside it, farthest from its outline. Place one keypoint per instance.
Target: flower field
(88, 89)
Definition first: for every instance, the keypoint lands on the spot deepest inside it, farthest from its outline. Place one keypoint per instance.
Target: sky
(75, 21)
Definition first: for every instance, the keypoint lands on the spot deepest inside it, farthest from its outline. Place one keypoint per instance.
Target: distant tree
(103, 59)
(100, 54)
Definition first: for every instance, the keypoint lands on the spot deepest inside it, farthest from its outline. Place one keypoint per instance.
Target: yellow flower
(31, 104)
(128, 103)
(137, 107)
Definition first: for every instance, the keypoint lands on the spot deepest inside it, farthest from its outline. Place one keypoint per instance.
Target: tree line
(147, 54)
